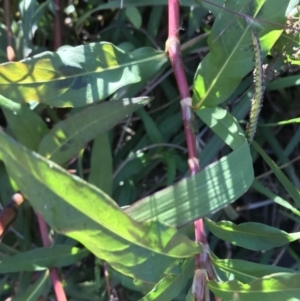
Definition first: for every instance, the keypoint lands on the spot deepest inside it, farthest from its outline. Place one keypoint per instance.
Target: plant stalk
(56, 282)
(173, 49)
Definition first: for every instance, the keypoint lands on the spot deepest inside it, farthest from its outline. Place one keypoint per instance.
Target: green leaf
(69, 136)
(190, 296)
(246, 271)
(223, 124)
(286, 183)
(252, 236)
(171, 285)
(134, 16)
(78, 76)
(34, 291)
(26, 126)
(156, 14)
(101, 173)
(7, 189)
(258, 186)
(221, 71)
(284, 82)
(42, 258)
(211, 189)
(8, 104)
(81, 211)
(197, 196)
(27, 8)
(275, 287)
(150, 126)
(132, 284)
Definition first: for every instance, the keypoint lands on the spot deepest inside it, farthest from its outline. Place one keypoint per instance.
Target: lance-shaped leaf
(27, 126)
(252, 236)
(42, 258)
(258, 186)
(231, 50)
(171, 285)
(246, 271)
(287, 184)
(70, 135)
(211, 189)
(101, 173)
(75, 208)
(275, 287)
(35, 290)
(224, 125)
(77, 76)
(132, 284)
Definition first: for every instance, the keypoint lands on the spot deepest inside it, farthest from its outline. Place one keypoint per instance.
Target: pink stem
(173, 49)
(56, 282)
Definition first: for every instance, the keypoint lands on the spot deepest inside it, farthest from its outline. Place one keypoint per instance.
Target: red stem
(56, 282)
(173, 49)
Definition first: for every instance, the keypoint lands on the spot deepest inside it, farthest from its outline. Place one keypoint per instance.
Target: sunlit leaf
(77, 76)
(246, 271)
(101, 174)
(252, 236)
(275, 287)
(213, 188)
(231, 48)
(171, 285)
(81, 211)
(223, 124)
(288, 44)
(70, 135)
